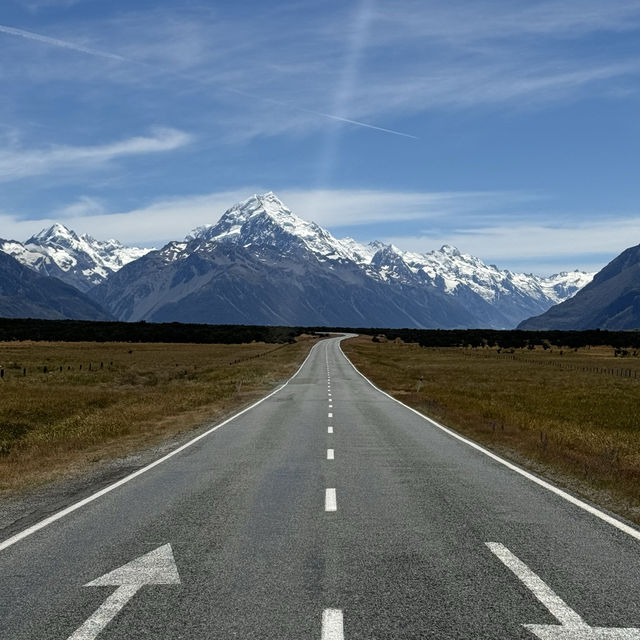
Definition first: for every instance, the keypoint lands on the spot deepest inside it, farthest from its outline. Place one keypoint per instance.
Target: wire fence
(620, 372)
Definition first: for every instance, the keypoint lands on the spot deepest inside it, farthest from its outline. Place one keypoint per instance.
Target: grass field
(572, 415)
(64, 406)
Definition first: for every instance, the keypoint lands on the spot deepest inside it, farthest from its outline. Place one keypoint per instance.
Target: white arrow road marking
(572, 626)
(332, 628)
(330, 503)
(155, 567)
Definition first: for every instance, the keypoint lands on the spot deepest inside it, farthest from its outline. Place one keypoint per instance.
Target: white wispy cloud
(337, 208)
(173, 218)
(461, 22)
(416, 55)
(18, 163)
(82, 207)
(314, 112)
(540, 248)
(36, 5)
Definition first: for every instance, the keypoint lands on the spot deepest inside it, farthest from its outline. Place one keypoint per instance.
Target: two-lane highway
(331, 511)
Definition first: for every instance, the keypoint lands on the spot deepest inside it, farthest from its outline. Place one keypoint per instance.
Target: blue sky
(509, 129)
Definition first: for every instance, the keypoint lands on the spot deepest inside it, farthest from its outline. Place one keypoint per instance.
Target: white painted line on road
(572, 626)
(557, 607)
(329, 429)
(330, 406)
(155, 567)
(330, 454)
(330, 415)
(634, 533)
(94, 496)
(330, 503)
(332, 625)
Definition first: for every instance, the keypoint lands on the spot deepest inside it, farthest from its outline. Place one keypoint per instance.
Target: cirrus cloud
(16, 162)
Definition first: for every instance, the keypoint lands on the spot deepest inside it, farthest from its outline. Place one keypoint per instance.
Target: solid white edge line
(94, 496)
(634, 533)
(332, 625)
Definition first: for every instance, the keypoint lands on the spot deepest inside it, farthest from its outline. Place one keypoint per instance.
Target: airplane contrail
(65, 44)
(30, 35)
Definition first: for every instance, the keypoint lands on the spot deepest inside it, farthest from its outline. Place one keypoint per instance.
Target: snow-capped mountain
(261, 263)
(511, 295)
(80, 261)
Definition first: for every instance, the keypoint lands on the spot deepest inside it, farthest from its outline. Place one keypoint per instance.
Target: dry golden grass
(111, 399)
(564, 414)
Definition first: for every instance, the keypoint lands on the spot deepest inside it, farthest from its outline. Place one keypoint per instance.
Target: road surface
(327, 511)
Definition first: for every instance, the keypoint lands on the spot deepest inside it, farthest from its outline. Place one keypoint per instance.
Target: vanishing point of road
(326, 511)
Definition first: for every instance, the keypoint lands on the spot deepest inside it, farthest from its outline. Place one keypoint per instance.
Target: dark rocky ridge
(610, 301)
(26, 294)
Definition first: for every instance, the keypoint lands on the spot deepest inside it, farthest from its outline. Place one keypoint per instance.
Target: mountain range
(80, 261)
(262, 264)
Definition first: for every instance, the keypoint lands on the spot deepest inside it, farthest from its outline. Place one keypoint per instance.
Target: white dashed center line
(332, 627)
(330, 503)
(329, 429)
(330, 415)
(330, 455)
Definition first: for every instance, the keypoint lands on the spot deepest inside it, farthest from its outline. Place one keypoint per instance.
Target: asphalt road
(264, 549)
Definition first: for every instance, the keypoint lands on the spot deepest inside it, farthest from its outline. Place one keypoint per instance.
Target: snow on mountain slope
(563, 285)
(80, 261)
(464, 270)
(265, 220)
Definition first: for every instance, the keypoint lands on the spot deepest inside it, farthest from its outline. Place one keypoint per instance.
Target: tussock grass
(102, 400)
(566, 416)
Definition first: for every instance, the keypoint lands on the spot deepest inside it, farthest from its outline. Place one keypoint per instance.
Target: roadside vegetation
(570, 414)
(64, 406)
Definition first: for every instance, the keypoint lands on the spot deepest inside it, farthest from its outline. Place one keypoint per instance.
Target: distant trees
(80, 331)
